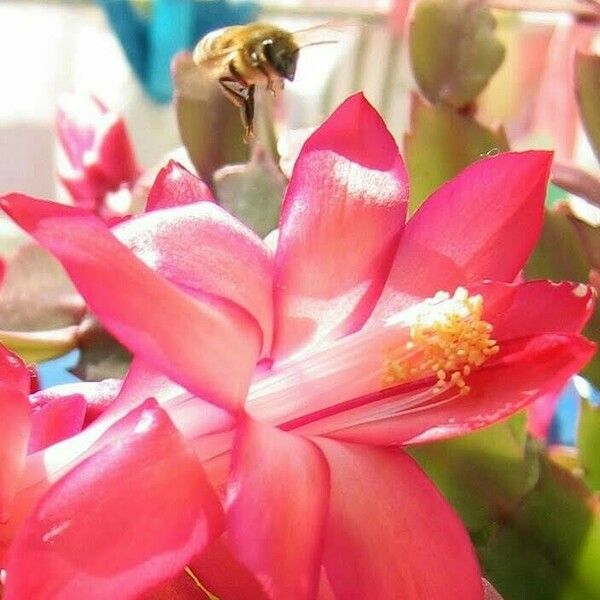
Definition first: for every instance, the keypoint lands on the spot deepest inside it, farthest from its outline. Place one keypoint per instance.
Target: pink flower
(15, 416)
(99, 158)
(301, 372)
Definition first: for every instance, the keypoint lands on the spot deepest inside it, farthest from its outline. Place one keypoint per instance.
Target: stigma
(447, 338)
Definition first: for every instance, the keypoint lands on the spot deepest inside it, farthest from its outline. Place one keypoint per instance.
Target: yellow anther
(448, 339)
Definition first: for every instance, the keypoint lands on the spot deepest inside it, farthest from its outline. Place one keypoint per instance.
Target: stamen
(448, 339)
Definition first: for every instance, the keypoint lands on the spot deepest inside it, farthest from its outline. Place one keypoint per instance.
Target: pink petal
(209, 347)
(61, 411)
(341, 219)
(85, 193)
(191, 415)
(15, 417)
(540, 414)
(489, 592)
(277, 503)
(483, 224)
(398, 16)
(34, 380)
(99, 396)
(55, 417)
(126, 518)
(116, 158)
(390, 533)
(527, 369)
(325, 591)
(141, 382)
(536, 307)
(13, 372)
(98, 148)
(342, 374)
(201, 247)
(176, 186)
(77, 120)
(194, 417)
(556, 93)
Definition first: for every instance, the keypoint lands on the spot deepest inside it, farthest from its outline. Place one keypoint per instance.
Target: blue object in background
(563, 428)
(55, 372)
(172, 25)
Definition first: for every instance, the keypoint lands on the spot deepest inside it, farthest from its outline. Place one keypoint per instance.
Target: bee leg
(235, 75)
(248, 113)
(270, 82)
(243, 98)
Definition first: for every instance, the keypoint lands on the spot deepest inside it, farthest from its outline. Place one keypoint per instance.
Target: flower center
(448, 339)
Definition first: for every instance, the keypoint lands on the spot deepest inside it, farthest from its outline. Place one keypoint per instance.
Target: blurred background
(120, 51)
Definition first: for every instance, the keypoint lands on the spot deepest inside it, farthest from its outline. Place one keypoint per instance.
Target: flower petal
(347, 373)
(55, 417)
(341, 219)
(61, 411)
(176, 186)
(390, 533)
(97, 146)
(126, 518)
(78, 118)
(99, 396)
(194, 417)
(15, 416)
(277, 503)
(115, 157)
(13, 372)
(209, 347)
(540, 414)
(536, 307)
(528, 368)
(201, 247)
(482, 224)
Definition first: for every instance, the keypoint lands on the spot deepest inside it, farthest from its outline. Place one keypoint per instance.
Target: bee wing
(325, 33)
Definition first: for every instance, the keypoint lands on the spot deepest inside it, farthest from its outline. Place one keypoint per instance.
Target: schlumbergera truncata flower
(99, 160)
(256, 441)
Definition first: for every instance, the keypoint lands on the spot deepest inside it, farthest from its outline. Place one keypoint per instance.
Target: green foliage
(209, 125)
(453, 49)
(587, 84)
(37, 293)
(39, 307)
(252, 192)
(440, 143)
(100, 355)
(588, 443)
(38, 346)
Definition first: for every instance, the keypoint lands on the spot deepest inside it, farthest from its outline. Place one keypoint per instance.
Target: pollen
(448, 339)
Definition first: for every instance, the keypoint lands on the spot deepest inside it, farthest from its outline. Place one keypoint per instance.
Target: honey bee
(243, 57)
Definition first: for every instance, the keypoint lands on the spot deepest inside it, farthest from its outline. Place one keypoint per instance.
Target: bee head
(282, 54)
